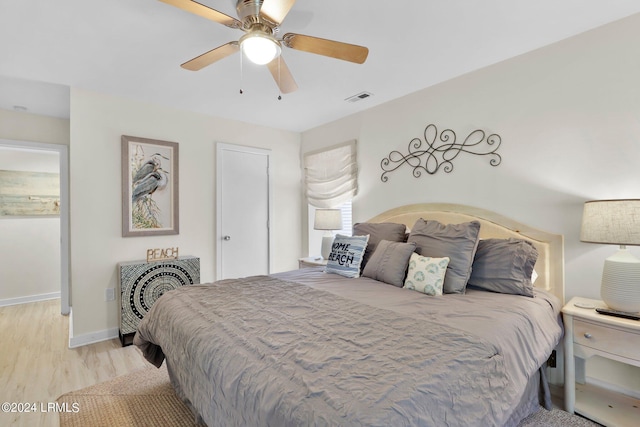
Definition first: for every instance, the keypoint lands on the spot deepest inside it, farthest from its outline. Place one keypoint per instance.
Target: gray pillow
(505, 266)
(456, 241)
(389, 262)
(377, 232)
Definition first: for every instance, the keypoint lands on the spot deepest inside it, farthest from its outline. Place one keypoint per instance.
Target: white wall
(97, 123)
(29, 247)
(33, 128)
(569, 119)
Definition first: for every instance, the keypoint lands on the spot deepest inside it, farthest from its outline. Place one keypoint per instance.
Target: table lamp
(329, 220)
(616, 222)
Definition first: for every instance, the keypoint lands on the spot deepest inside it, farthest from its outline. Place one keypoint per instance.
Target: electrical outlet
(110, 294)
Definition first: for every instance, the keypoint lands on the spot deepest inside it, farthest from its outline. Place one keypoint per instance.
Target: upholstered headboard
(550, 264)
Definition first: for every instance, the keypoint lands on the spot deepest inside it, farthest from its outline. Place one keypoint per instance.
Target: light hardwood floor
(37, 366)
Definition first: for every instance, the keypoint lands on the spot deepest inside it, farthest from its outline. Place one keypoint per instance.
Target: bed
(307, 347)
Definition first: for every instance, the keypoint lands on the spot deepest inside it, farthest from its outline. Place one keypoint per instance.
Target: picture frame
(26, 194)
(150, 187)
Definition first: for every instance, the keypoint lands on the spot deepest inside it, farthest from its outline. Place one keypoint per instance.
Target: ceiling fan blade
(276, 10)
(282, 75)
(212, 56)
(204, 11)
(333, 49)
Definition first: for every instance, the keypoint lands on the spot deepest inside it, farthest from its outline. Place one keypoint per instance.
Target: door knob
(226, 238)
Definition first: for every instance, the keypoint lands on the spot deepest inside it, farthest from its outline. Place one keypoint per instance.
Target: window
(347, 220)
(331, 175)
(331, 182)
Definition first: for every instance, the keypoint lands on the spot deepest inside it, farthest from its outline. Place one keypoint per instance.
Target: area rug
(556, 418)
(145, 398)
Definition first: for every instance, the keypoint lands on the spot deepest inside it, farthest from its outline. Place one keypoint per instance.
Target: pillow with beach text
(346, 255)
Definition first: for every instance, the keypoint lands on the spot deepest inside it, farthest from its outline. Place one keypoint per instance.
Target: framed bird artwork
(149, 187)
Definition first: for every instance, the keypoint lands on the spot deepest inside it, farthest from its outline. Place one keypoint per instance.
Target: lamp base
(327, 242)
(620, 288)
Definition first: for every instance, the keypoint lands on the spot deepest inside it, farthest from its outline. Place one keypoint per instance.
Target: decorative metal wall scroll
(439, 150)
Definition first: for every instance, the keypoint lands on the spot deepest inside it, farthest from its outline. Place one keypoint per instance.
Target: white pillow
(426, 274)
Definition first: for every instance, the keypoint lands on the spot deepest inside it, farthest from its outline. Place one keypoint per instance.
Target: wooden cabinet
(588, 333)
(141, 283)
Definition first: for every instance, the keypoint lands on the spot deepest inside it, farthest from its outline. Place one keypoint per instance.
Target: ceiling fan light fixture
(259, 47)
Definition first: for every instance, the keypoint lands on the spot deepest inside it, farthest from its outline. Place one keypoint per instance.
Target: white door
(243, 204)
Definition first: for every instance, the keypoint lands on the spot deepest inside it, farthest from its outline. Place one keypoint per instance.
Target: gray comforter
(269, 352)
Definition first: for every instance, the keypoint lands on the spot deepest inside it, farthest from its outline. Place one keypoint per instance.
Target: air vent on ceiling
(359, 97)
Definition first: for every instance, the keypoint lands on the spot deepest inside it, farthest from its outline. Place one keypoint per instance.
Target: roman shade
(331, 175)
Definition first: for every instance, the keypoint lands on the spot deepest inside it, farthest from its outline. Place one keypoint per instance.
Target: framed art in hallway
(149, 187)
(28, 194)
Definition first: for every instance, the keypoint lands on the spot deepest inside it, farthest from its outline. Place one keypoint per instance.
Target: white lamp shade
(328, 219)
(616, 222)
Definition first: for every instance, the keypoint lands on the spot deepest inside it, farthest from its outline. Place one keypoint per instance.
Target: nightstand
(588, 333)
(311, 262)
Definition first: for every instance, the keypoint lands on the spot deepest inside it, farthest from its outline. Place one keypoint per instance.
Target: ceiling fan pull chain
(279, 80)
(241, 55)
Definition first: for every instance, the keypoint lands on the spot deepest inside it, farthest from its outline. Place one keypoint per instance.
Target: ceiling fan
(260, 20)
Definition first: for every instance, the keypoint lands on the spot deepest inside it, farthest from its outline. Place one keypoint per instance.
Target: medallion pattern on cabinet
(142, 283)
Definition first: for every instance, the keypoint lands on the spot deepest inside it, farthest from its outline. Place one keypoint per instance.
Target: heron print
(150, 176)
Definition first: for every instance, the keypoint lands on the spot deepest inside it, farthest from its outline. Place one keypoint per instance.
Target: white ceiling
(133, 48)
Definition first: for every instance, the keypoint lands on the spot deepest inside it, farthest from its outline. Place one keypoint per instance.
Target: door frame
(63, 152)
(220, 146)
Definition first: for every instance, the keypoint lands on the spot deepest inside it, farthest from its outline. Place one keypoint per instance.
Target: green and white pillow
(426, 274)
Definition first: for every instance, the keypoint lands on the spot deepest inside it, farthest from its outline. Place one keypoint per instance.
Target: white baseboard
(28, 299)
(92, 337)
(613, 387)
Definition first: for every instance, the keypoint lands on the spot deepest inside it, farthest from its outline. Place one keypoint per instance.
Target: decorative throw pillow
(426, 274)
(377, 232)
(389, 262)
(458, 242)
(505, 266)
(346, 255)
